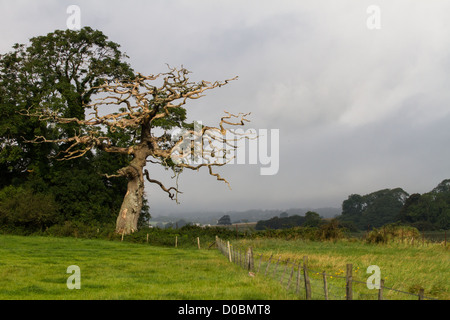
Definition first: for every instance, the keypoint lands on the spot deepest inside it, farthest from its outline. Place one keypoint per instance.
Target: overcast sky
(358, 109)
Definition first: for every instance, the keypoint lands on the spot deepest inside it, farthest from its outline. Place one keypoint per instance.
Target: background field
(403, 267)
(35, 268)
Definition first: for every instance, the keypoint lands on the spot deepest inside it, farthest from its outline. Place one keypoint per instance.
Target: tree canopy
(374, 209)
(429, 211)
(59, 73)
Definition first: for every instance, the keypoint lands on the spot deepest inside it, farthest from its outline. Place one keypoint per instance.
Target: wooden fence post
(421, 294)
(245, 254)
(198, 242)
(325, 285)
(250, 264)
(284, 272)
(276, 267)
(147, 237)
(268, 265)
(290, 277)
(306, 276)
(380, 291)
(229, 250)
(259, 265)
(348, 286)
(297, 288)
(176, 241)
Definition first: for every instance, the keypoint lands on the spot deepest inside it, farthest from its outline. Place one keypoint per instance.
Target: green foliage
(59, 72)
(281, 223)
(81, 192)
(23, 210)
(175, 119)
(374, 209)
(429, 211)
(326, 230)
(331, 230)
(392, 232)
(187, 236)
(225, 220)
(78, 229)
(311, 219)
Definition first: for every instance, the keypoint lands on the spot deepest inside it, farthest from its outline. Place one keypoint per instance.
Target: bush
(81, 230)
(281, 223)
(331, 230)
(187, 236)
(392, 232)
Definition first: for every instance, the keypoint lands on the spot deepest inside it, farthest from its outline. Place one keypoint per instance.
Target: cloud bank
(358, 110)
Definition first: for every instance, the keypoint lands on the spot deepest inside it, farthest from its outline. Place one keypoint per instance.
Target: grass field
(402, 267)
(36, 268)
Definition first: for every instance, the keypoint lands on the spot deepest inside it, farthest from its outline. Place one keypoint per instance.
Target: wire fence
(306, 283)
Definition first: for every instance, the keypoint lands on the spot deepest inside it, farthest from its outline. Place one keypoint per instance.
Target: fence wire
(306, 283)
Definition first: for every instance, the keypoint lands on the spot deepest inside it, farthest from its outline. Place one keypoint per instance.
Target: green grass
(402, 267)
(36, 268)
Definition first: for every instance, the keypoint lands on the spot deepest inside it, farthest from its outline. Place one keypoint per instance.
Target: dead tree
(142, 106)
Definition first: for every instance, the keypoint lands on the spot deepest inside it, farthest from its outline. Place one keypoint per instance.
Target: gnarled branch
(140, 102)
(171, 195)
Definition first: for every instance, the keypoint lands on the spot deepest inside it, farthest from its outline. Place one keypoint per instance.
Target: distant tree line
(429, 211)
(311, 219)
(425, 212)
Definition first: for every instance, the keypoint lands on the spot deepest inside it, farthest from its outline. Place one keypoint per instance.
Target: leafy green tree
(60, 73)
(405, 213)
(430, 210)
(282, 223)
(352, 210)
(374, 209)
(312, 219)
(384, 206)
(224, 220)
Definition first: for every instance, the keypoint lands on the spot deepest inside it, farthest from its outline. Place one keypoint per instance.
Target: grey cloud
(358, 110)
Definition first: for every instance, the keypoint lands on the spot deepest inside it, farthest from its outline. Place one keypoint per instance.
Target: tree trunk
(127, 221)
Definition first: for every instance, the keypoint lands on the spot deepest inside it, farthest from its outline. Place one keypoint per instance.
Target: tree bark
(127, 220)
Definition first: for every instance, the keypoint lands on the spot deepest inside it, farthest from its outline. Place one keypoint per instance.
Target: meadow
(35, 268)
(403, 267)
